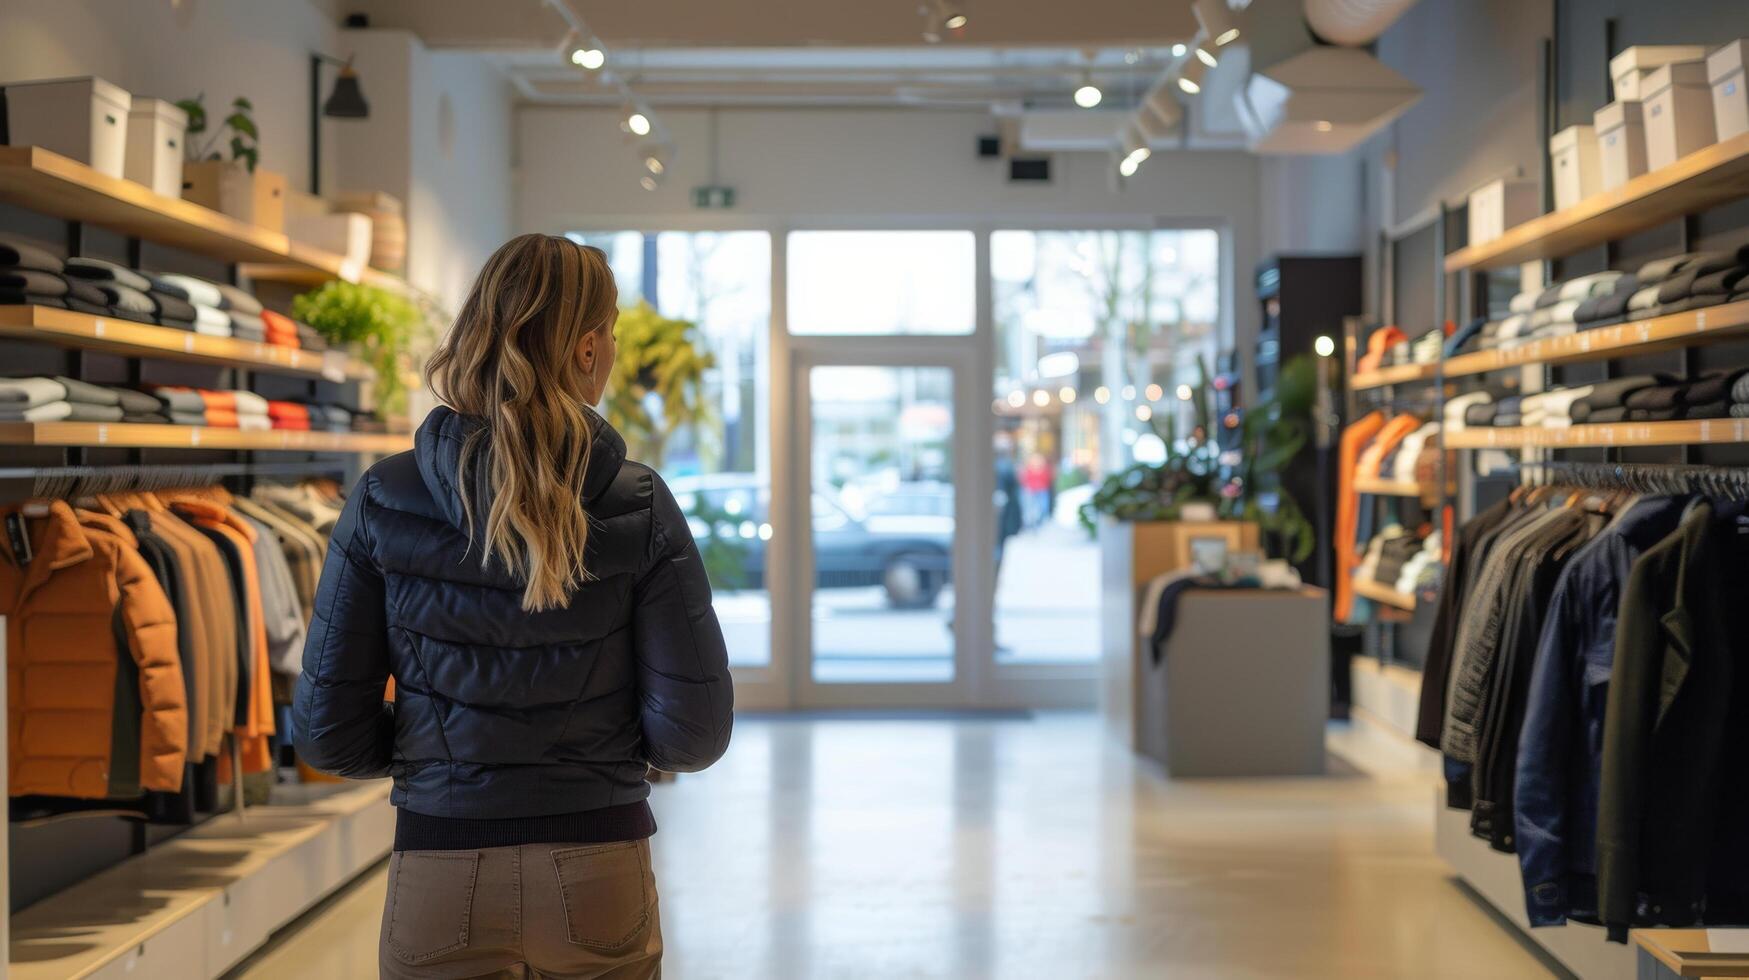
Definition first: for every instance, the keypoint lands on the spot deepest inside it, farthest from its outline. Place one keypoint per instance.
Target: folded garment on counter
(99, 271)
(246, 326)
(22, 393)
(1657, 397)
(1669, 414)
(33, 281)
(248, 403)
(200, 292)
(172, 307)
(180, 399)
(1604, 416)
(132, 401)
(211, 320)
(83, 392)
(15, 251)
(235, 299)
(1707, 410)
(1714, 386)
(55, 411)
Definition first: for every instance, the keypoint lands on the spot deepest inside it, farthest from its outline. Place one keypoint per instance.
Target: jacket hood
(437, 447)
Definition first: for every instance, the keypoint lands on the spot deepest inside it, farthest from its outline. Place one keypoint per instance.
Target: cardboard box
(228, 187)
(1678, 112)
(85, 119)
(1629, 69)
(1500, 204)
(1574, 159)
(1621, 143)
(156, 130)
(1724, 69)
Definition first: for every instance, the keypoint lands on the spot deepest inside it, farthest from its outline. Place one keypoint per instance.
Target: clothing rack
(1669, 478)
(82, 481)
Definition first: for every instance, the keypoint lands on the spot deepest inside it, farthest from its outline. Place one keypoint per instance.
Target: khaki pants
(542, 910)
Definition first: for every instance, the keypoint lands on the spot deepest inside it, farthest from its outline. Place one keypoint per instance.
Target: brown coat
(84, 593)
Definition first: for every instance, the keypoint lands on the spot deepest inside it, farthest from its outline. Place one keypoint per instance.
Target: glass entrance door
(881, 557)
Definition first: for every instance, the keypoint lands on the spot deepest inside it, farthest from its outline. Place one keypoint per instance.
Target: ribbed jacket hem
(608, 825)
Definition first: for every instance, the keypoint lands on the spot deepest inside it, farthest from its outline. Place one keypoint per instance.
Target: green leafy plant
(240, 124)
(657, 386)
(724, 552)
(381, 326)
(1270, 434)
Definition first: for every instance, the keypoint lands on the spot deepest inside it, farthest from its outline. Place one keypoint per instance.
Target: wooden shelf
(40, 180)
(1394, 488)
(1707, 177)
(1713, 324)
(1614, 434)
(1380, 593)
(1396, 374)
(1690, 952)
(307, 277)
(133, 435)
(81, 331)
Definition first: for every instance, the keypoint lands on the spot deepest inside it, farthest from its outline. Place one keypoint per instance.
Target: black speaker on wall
(989, 146)
(1029, 168)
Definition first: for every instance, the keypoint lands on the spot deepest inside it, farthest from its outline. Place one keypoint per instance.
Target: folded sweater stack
(206, 299)
(1706, 397)
(41, 399)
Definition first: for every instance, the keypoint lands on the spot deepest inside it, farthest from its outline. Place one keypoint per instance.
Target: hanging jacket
(1560, 752)
(80, 604)
(1668, 851)
(538, 717)
(1354, 437)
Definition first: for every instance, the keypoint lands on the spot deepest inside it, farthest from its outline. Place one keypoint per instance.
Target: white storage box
(1724, 69)
(1500, 204)
(1621, 143)
(1629, 69)
(155, 132)
(1678, 111)
(347, 233)
(1574, 159)
(85, 119)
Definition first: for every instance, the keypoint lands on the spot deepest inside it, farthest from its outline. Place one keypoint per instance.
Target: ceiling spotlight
(655, 165)
(654, 157)
(955, 21)
(637, 123)
(648, 182)
(1323, 125)
(1178, 50)
(1203, 55)
(1154, 393)
(588, 56)
(1088, 95)
(1191, 80)
(1218, 21)
(1127, 166)
(1324, 345)
(1144, 413)
(1184, 393)
(1016, 398)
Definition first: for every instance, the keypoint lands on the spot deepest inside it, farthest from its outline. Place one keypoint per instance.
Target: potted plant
(235, 186)
(382, 328)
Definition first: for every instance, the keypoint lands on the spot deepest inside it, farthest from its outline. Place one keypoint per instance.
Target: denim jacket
(1560, 750)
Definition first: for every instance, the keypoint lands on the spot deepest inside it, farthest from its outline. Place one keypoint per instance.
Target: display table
(1666, 954)
(1244, 686)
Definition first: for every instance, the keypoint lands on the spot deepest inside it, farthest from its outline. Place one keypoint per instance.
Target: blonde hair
(510, 360)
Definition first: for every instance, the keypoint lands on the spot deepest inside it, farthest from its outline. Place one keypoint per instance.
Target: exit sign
(713, 197)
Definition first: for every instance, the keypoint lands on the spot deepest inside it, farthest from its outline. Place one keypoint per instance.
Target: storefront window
(1096, 332)
(720, 469)
(882, 282)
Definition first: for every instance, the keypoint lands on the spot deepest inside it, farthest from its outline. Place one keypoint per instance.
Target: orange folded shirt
(279, 329)
(221, 418)
(1379, 343)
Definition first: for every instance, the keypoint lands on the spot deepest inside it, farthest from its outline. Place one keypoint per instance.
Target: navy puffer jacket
(500, 712)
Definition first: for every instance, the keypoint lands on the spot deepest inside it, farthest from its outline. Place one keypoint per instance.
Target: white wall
(870, 167)
(254, 48)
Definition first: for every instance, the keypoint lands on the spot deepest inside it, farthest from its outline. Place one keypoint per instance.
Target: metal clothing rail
(74, 481)
(1639, 477)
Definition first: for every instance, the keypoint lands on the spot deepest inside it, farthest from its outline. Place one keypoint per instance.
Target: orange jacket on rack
(70, 609)
(1348, 508)
(1389, 437)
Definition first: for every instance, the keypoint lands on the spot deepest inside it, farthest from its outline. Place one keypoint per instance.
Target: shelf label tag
(1700, 320)
(194, 436)
(97, 330)
(102, 434)
(188, 343)
(1706, 430)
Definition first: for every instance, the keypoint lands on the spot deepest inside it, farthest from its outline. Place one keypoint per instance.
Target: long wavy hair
(510, 360)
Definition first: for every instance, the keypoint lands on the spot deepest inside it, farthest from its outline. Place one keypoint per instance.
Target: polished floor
(1018, 847)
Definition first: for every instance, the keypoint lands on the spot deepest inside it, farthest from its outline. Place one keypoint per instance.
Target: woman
(543, 611)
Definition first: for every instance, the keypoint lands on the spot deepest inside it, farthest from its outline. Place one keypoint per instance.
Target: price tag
(188, 343)
(1644, 331)
(1706, 430)
(1737, 431)
(1700, 320)
(102, 434)
(97, 330)
(194, 436)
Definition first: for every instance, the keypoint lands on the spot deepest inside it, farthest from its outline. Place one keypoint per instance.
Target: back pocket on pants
(606, 893)
(431, 895)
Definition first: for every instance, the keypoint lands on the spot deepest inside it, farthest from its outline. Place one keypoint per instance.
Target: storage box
(346, 233)
(1724, 69)
(1629, 69)
(1500, 204)
(228, 187)
(1574, 159)
(1678, 112)
(154, 157)
(388, 228)
(82, 118)
(1621, 143)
